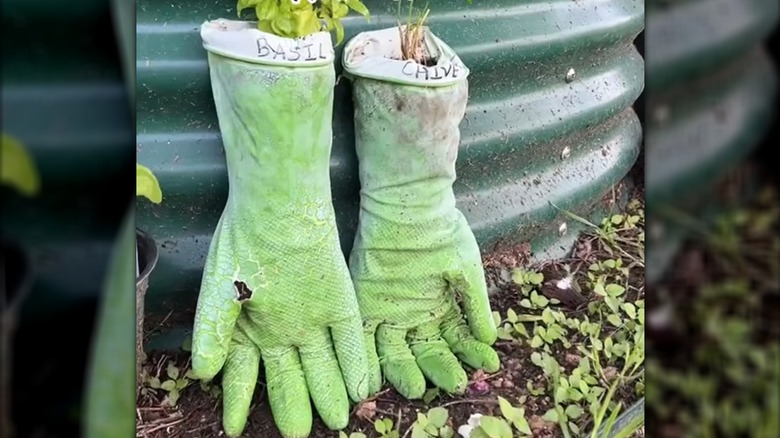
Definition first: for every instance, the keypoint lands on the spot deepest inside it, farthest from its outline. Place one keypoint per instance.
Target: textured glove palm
(415, 263)
(275, 284)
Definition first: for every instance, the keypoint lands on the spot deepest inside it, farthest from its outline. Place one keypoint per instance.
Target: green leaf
(430, 395)
(17, 167)
(613, 303)
(560, 394)
(525, 303)
(172, 371)
(496, 318)
(536, 278)
(505, 333)
(598, 288)
(190, 375)
(182, 383)
(342, 434)
(536, 359)
(547, 316)
(573, 411)
(267, 10)
(630, 310)
(438, 416)
(380, 426)
(339, 31)
(168, 385)
(520, 329)
(511, 316)
(615, 290)
(154, 382)
(584, 387)
(357, 435)
(573, 394)
(359, 7)
(536, 342)
(495, 427)
(146, 184)
(539, 300)
(551, 415)
(418, 431)
(522, 425)
(615, 320)
(446, 432)
(173, 397)
(507, 410)
(422, 420)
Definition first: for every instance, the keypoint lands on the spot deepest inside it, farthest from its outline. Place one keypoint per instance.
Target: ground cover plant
(571, 348)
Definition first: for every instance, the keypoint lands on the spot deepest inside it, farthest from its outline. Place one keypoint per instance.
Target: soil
(198, 414)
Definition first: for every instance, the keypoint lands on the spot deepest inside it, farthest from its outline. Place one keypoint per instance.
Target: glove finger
(436, 360)
(287, 392)
(470, 285)
(374, 370)
(348, 341)
(398, 363)
(324, 380)
(238, 383)
(215, 317)
(474, 353)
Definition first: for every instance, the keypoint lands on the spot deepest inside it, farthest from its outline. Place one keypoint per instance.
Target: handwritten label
(307, 52)
(419, 71)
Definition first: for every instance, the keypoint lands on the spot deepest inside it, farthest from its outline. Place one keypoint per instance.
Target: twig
(158, 325)
(459, 402)
(159, 427)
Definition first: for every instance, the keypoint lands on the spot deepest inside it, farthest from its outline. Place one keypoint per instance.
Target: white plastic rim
(377, 55)
(242, 40)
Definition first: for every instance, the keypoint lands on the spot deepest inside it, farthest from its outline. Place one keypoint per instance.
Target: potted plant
(19, 173)
(145, 259)
(275, 284)
(415, 263)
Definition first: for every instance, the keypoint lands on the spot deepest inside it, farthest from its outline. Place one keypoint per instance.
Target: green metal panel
(712, 91)
(529, 138)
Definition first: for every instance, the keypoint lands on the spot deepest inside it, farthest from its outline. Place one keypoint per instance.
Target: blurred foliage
(714, 359)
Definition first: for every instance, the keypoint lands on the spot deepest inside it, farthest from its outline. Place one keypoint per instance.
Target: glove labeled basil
(276, 287)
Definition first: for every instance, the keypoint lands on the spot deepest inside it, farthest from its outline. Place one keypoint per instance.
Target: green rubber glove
(276, 285)
(415, 263)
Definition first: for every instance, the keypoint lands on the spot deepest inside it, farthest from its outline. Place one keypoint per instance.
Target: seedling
(299, 18)
(384, 427)
(174, 382)
(432, 424)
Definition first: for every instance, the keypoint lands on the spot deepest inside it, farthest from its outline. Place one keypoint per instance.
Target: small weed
(172, 384)
(432, 424)
(608, 335)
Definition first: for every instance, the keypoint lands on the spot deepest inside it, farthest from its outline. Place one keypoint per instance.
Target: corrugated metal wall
(711, 87)
(530, 137)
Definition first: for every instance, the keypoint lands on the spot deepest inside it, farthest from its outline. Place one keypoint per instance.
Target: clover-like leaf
(437, 416)
(146, 184)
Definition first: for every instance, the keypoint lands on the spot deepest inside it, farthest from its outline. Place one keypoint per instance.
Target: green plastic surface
(529, 137)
